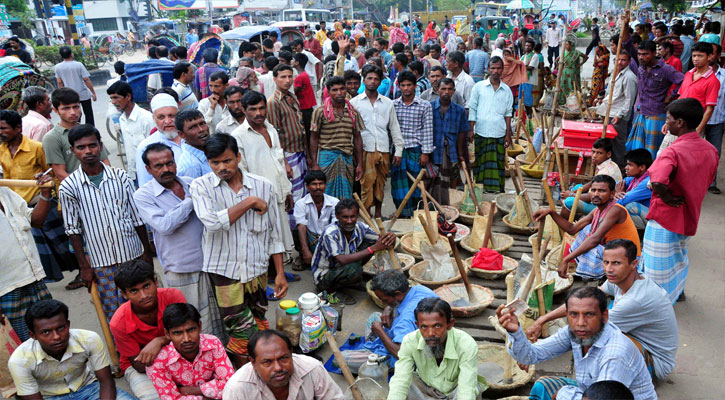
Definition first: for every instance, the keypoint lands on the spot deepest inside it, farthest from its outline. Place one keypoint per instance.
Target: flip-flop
(270, 294)
(714, 190)
(76, 283)
(292, 277)
(345, 298)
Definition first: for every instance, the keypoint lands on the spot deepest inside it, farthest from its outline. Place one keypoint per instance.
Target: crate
(582, 135)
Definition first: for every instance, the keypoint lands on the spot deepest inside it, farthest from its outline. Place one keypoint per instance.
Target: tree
(671, 5)
(15, 7)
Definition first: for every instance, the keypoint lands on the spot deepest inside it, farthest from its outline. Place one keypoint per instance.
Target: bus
(309, 15)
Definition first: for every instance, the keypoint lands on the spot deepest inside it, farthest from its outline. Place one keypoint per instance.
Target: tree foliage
(671, 5)
(15, 7)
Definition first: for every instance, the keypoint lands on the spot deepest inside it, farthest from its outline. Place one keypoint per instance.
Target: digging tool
(98, 305)
(391, 252)
(343, 366)
(406, 198)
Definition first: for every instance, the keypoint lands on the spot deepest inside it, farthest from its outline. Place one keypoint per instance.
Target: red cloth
(313, 46)
(705, 89)
(131, 334)
(675, 63)
(678, 47)
(688, 168)
(430, 33)
(487, 259)
(303, 90)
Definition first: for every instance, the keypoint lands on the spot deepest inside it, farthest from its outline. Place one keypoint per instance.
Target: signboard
(58, 11)
(78, 13)
(196, 4)
(265, 5)
(4, 16)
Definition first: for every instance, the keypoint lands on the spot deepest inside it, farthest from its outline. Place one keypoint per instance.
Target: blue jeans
(585, 207)
(91, 391)
(713, 134)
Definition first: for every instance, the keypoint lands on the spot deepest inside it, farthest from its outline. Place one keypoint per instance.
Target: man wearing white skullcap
(164, 108)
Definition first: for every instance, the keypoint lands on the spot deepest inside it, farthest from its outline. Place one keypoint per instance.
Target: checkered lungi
(110, 294)
(376, 166)
(400, 184)
(198, 292)
(298, 163)
(638, 213)
(647, 133)
(340, 172)
(664, 259)
(439, 186)
(52, 244)
(589, 264)
(15, 303)
(489, 166)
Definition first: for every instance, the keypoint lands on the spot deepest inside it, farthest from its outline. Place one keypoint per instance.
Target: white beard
(170, 135)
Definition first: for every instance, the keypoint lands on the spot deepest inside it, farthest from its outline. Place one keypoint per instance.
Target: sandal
(76, 283)
(270, 294)
(346, 299)
(714, 190)
(292, 277)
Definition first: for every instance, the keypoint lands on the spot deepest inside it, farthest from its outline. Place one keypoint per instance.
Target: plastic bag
(468, 206)
(440, 267)
(478, 231)
(487, 259)
(572, 103)
(313, 331)
(538, 139)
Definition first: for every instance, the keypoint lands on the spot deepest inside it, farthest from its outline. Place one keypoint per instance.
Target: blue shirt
(687, 43)
(718, 114)
(192, 162)
(447, 127)
(641, 193)
(612, 357)
(383, 89)
(142, 176)
(488, 108)
(404, 321)
(177, 230)
(477, 62)
(387, 58)
(191, 38)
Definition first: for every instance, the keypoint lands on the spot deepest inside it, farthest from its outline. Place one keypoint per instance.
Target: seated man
(59, 362)
(602, 159)
(632, 192)
(640, 310)
(344, 247)
(608, 221)
(137, 325)
(601, 351)
(275, 373)
(313, 213)
(193, 364)
(445, 359)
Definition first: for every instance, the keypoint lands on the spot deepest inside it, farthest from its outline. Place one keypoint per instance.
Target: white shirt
(135, 128)
(187, 98)
(489, 108)
(305, 213)
(327, 48)
(212, 116)
(553, 37)
(624, 96)
(268, 84)
(227, 125)
(379, 119)
(464, 85)
(534, 77)
(310, 66)
(260, 159)
(155, 81)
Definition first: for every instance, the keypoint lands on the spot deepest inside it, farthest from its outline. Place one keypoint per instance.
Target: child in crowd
(632, 191)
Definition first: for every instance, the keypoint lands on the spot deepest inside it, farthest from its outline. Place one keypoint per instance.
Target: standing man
(233, 97)
(381, 123)
(313, 66)
(183, 77)
(240, 216)
(304, 91)
(313, 45)
(526, 89)
(714, 128)
(464, 83)
(201, 76)
(595, 36)
(136, 122)
(194, 132)
(416, 125)
(214, 108)
(164, 108)
(435, 75)
(74, 75)
(15, 50)
(99, 212)
(37, 122)
(477, 61)
(490, 119)
(191, 37)
(422, 83)
(552, 40)
(664, 52)
(701, 83)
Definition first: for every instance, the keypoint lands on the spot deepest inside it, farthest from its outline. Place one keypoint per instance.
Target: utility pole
(352, 13)
(71, 22)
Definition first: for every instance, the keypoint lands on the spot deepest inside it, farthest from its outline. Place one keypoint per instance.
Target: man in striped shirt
(241, 234)
(99, 211)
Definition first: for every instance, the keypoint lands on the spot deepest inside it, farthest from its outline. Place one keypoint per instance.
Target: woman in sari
(397, 34)
(417, 33)
(601, 65)
(430, 34)
(514, 72)
(571, 73)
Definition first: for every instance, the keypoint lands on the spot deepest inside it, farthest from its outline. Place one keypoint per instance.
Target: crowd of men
(226, 179)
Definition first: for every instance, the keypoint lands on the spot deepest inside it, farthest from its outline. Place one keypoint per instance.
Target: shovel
(471, 298)
(389, 261)
(406, 198)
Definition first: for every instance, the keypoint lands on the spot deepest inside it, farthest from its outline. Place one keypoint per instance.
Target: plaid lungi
(52, 244)
(298, 163)
(589, 264)
(198, 292)
(647, 133)
(242, 305)
(400, 184)
(110, 294)
(15, 303)
(489, 165)
(546, 387)
(664, 259)
(376, 166)
(340, 172)
(439, 186)
(638, 213)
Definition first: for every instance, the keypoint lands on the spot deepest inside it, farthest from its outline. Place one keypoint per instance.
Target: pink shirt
(35, 126)
(210, 370)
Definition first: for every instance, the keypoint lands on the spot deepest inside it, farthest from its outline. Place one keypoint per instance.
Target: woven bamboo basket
(453, 292)
(561, 285)
(406, 242)
(552, 244)
(524, 230)
(534, 171)
(496, 354)
(501, 243)
(509, 265)
(515, 150)
(406, 261)
(467, 218)
(505, 203)
(405, 225)
(554, 258)
(416, 272)
(376, 299)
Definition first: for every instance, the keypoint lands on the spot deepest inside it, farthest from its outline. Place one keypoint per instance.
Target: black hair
(252, 97)
(81, 131)
(605, 179)
(44, 309)
(667, 45)
(210, 55)
(702, 47)
(448, 81)
(152, 53)
(133, 272)
(424, 48)
(297, 42)
(263, 335)
(218, 143)
(181, 52)
(372, 69)
(315, 175)
(11, 117)
(351, 75)
(219, 75)
(690, 110)
(440, 69)
(120, 88)
(382, 42)
(478, 42)
(245, 47)
(285, 55)
(370, 53)
(677, 29)
(65, 52)
(281, 67)
(457, 57)
(167, 90)
(268, 43)
(186, 115)
(32, 95)
(416, 66)
(154, 42)
(345, 204)
(639, 157)
(589, 292)
(361, 41)
(333, 81)
(648, 45)
(623, 52)
(181, 68)
(249, 60)
(335, 47)
(402, 58)
(406, 76)
(604, 144)
(178, 314)
(273, 34)
(607, 390)
(537, 47)
(271, 62)
(162, 51)
(390, 281)
(595, 20)
(629, 247)
(119, 67)
(301, 59)
(431, 305)
(64, 96)
(436, 47)
(232, 90)
(398, 47)
(155, 148)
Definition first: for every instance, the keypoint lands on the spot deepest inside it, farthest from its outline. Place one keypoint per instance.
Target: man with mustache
(312, 214)
(601, 351)
(164, 108)
(608, 221)
(233, 96)
(193, 364)
(445, 359)
(136, 122)
(194, 132)
(275, 373)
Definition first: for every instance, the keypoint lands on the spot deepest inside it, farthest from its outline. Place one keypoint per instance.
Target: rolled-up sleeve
(527, 353)
(276, 244)
(427, 146)
(71, 210)
(213, 220)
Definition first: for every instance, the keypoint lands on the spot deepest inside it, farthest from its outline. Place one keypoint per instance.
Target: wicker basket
(524, 230)
(417, 270)
(505, 203)
(496, 354)
(501, 242)
(561, 285)
(451, 213)
(554, 258)
(534, 171)
(509, 265)
(406, 261)
(515, 150)
(453, 292)
(467, 218)
(550, 247)
(406, 242)
(376, 299)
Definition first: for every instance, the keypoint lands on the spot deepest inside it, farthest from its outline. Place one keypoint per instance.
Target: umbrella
(520, 4)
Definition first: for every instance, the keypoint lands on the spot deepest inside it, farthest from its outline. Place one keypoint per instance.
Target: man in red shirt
(304, 91)
(664, 51)
(700, 83)
(679, 178)
(137, 325)
(312, 45)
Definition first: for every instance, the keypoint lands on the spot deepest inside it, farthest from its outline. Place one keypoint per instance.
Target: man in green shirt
(445, 359)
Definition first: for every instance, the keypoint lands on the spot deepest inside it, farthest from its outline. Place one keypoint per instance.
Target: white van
(309, 15)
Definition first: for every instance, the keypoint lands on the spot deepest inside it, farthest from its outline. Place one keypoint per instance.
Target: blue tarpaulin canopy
(248, 32)
(138, 73)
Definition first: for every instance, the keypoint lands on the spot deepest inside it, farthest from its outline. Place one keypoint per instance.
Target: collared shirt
(458, 370)
(35, 126)
(612, 357)
(227, 125)
(106, 215)
(705, 89)
(381, 123)
(416, 123)
(266, 81)
(687, 43)
(192, 162)
(640, 193)
(306, 214)
(718, 114)
(309, 380)
(284, 113)
(553, 37)
(464, 85)
(177, 230)
(304, 91)
(210, 370)
(625, 93)
(28, 160)
(489, 108)
(34, 371)
(212, 116)
(131, 334)
(688, 168)
(333, 243)
(675, 63)
(157, 137)
(447, 127)
(187, 98)
(20, 260)
(609, 167)
(312, 61)
(240, 250)
(653, 85)
(339, 133)
(135, 128)
(431, 95)
(477, 62)
(57, 149)
(263, 160)
(421, 85)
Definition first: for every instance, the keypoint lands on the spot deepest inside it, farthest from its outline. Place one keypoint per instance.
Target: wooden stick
(537, 281)
(25, 183)
(426, 228)
(406, 198)
(566, 166)
(471, 187)
(538, 254)
(98, 305)
(426, 208)
(461, 269)
(614, 75)
(343, 366)
(364, 214)
(514, 178)
(489, 225)
(563, 178)
(572, 215)
(508, 361)
(391, 252)
(527, 203)
(430, 198)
